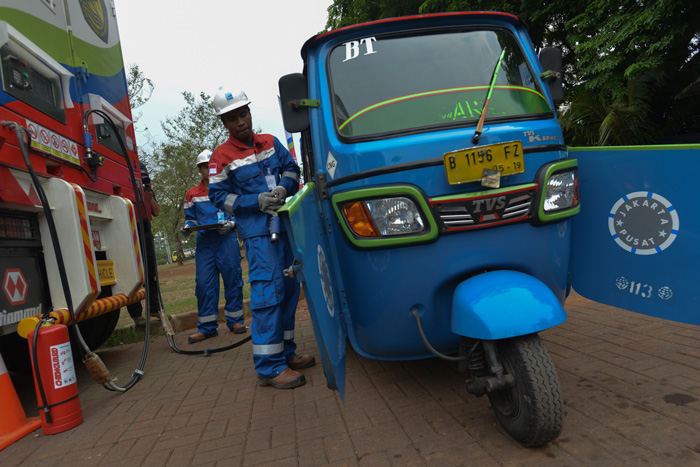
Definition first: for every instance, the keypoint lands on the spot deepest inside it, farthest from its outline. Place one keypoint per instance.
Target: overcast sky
(199, 45)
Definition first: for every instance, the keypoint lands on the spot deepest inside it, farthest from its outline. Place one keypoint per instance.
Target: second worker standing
(217, 253)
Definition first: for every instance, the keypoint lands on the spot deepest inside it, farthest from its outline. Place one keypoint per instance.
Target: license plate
(105, 269)
(469, 165)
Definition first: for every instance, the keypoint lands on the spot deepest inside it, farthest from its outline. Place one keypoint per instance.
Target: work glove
(185, 230)
(279, 192)
(225, 227)
(269, 204)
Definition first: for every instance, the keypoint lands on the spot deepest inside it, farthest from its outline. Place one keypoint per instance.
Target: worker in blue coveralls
(217, 253)
(251, 175)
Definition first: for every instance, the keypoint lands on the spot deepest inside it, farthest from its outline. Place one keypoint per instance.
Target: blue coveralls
(216, 254)
(236, 178)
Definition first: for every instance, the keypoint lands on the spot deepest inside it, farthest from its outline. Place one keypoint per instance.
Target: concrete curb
(187, 320)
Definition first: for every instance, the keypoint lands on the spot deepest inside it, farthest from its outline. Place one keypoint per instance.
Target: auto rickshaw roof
(508, 17)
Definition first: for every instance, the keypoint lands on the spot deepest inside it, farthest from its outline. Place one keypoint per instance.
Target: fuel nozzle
(274, 228)
(275, 223)
(92, 159)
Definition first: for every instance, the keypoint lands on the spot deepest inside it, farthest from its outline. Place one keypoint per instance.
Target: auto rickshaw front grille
(474, 211)
(456, 216)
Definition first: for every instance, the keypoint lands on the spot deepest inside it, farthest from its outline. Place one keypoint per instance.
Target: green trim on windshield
(433, 93)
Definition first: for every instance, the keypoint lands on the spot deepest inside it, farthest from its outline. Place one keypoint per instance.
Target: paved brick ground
(631, 388)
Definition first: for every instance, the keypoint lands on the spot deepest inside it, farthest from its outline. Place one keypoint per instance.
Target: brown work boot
(199, 337)
(299, 362)
(288, 379)
(238, 328)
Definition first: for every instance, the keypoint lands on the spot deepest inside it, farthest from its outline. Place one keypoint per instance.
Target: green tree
(593, 119)
(637, 57)
(173, 171)
(634, 64)
(345, 12)
(140, 90)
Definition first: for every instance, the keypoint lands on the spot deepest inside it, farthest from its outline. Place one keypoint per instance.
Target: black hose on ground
(206, 352)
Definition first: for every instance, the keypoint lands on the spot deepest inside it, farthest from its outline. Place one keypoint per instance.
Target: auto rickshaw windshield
(390, 85)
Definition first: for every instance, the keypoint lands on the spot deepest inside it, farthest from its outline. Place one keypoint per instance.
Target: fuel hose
(95, 364)
(169, 332)
(206, 352)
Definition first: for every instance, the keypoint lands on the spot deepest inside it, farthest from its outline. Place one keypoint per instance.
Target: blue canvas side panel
(636, 241)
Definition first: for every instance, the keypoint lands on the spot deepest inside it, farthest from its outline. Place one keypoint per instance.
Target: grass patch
(177, 285)
(130, 335)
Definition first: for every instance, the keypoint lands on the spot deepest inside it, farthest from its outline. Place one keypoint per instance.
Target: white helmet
(227, 101)
(203, 157)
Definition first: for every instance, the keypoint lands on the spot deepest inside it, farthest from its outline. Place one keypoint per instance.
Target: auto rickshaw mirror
(550, 59)
(294, 97)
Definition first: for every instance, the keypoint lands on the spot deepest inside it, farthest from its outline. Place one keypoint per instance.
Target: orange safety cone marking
(14, 424)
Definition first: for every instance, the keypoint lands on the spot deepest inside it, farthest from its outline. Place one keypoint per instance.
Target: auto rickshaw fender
(502, 304)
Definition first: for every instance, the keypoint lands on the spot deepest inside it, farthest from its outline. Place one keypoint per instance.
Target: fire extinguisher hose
(45, 406)
(37, 374)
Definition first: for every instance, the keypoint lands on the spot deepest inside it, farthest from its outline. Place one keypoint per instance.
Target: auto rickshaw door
(314, 268)
(636, 239)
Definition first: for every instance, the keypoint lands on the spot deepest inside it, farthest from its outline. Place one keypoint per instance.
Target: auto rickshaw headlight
(558, 198)
(561, 191)
(383, 217)
(395, 216)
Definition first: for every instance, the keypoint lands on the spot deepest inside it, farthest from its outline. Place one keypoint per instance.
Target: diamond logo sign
(15, 286)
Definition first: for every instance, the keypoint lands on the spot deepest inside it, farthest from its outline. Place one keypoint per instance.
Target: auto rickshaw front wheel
(531, 410)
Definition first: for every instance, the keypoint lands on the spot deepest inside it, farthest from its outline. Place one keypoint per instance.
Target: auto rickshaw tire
(532, 411)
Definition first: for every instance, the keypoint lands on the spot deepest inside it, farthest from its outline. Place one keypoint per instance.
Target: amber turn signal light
(359, 219)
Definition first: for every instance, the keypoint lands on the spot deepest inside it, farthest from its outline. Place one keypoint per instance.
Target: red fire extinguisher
(56, 383)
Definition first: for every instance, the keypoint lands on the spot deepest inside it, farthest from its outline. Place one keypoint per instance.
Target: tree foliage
(172, 163)
(140, 90)
(345, 12)
(636, 58)
(629, 65)
(595, 120)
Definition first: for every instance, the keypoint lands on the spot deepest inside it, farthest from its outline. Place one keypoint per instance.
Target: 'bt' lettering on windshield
(352, 48)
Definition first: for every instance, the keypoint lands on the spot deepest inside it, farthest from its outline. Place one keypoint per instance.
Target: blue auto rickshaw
(442, 213)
